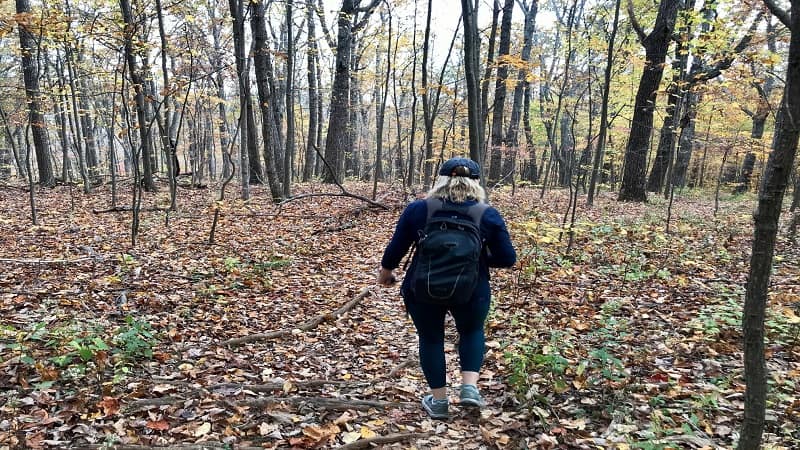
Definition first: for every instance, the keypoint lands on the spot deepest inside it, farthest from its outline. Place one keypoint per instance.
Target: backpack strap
(475, 212)
(434, 205)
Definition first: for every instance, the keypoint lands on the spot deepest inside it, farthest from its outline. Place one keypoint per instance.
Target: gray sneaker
(471, 397)
(437, 409)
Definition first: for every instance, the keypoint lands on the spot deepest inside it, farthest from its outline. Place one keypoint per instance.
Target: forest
(195, 197)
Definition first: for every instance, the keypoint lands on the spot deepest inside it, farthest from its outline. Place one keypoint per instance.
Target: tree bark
(337, 140)
(267, 98)
(512, 132)
(141, 107)
(313, 95)
(601, 138)
(498, 143)
(656, 44)
(776, 176)
(242, 69)
(29, 49)
(759, 116)
(471, 72)
(288, 157)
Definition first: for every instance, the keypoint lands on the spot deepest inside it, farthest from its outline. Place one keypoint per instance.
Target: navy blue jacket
(498, 251)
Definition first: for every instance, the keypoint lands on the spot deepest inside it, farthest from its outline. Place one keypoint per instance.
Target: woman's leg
(429, 321)
(470, 319)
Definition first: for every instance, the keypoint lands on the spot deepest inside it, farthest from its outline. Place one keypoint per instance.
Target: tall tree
(498, 108)
(312, 56)
(288, 157)
(30, 50)
(512, 132)
(337, 139)
(601, 138)
(656, 43)
(469, 14)
(760, 115)
(776, 177)
(267, 98)
(675, 90)
(242, 70)
(137, 80)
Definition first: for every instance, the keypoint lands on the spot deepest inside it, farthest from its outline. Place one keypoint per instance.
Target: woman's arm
(499, 249)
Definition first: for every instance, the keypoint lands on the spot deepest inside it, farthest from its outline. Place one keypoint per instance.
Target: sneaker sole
(434, 415)
(472, 403)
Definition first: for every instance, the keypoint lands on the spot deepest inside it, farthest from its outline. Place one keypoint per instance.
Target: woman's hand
(386, 277)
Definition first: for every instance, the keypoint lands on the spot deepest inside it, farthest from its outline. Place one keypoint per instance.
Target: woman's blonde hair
(457, 189)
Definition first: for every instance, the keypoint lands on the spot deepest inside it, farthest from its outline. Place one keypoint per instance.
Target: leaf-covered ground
(275, 335)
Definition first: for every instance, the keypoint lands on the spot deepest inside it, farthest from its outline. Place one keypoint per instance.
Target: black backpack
(448, 253)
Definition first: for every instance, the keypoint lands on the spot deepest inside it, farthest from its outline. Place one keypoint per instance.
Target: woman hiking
(440, 278)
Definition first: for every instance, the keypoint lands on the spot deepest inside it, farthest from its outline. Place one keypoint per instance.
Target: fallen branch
(334, 194)
(388, 439)
(344, 226)
(147, 403)
(44, 261)
(324, 402)
(399, 368)
(281, 385)
(305, 326)
(127, 209)
(201, 446)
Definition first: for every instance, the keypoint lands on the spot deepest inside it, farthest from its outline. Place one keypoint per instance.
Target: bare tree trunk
(288, 157)
(337, 140)
(498, 143)
(313, 94)
(601, 138)
(141, 107)
(656, 44)
(266, 99)
(770, 197)
(759, 116)
(512, 132)
(30, 72)
(242, 69)
(471, 72)
(4, 158)
(381, 92)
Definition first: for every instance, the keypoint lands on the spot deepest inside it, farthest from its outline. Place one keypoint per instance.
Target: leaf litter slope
(631, 338)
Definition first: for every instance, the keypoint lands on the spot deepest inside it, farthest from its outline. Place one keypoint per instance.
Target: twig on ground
(388, 439)
(44, 261)
(325, 402)
(201, 446)
(399, 368)
(305, 326)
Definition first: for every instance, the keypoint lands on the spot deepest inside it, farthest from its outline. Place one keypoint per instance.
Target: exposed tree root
(305, 326)
(388, 439)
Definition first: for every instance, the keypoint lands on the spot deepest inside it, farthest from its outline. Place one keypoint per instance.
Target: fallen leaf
(158, 425)
(203, 429)
(109, 405)
(350, 437)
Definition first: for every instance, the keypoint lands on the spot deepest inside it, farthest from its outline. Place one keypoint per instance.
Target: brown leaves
(354, 376)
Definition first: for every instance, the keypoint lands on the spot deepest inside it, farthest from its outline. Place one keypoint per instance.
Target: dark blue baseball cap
(460, 167)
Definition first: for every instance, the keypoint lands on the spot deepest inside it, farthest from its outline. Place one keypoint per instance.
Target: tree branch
(779, 12)
(725, 63)
(388, 439)
(635, 23)
(305, 326)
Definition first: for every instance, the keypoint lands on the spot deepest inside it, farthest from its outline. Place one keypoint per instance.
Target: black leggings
(429, 320)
